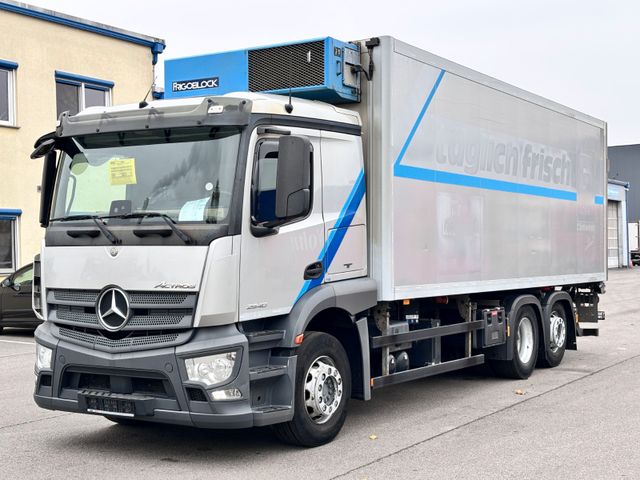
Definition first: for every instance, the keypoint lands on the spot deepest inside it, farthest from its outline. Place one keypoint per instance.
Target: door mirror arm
(265, 229)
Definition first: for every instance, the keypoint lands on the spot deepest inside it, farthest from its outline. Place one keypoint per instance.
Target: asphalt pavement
(579, 420)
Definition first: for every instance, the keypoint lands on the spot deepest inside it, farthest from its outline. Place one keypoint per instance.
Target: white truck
(232, 259)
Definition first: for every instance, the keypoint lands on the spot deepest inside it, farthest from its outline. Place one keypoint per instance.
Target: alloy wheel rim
(524, 340)
(557, 332)
(323, 390)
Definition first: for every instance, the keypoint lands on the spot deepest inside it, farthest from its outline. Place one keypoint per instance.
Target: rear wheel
(322, 390)
(551, 354)
(524, 347)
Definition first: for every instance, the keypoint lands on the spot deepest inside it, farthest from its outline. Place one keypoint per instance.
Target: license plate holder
(114, 404)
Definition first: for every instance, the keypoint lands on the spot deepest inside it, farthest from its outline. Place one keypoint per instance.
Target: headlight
(212, 369)
(43, 357)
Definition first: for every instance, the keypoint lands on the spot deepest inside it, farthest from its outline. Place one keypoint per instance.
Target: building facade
(618, 254)
(624, 166)
(51, 63)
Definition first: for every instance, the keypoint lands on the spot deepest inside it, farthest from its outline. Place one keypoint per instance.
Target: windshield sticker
(122, 171)
(193, 211)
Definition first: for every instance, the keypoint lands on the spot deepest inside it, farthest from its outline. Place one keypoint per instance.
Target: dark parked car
(15, 300)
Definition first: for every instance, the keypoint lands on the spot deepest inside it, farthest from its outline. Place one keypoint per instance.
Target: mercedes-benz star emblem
(113, 309)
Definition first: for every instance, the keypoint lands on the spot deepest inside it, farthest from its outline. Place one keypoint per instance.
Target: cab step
(262, 372)
(264, 339)
(270, 414)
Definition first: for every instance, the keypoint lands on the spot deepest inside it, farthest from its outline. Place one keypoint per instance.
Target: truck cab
(157, 216)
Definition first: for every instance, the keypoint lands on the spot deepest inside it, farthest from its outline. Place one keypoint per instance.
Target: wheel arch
(341, 324)
(338, 309)
(351, 296)
(512, 305)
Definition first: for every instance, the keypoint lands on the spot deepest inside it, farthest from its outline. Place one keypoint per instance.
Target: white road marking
(16, 341)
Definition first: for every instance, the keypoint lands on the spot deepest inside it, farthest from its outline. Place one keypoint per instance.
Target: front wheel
(322, 391)
(525, 347)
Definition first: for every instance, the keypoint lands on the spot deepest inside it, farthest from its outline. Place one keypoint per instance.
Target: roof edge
(157, 45)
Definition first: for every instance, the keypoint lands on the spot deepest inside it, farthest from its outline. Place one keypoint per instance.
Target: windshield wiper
(96, 219)
(168, 220)
(73, 217)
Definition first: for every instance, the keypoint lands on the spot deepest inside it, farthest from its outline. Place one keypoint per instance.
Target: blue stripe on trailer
(438, 176)
(449, 178)
(419, 119)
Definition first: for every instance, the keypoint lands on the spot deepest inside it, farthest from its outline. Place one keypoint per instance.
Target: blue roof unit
(320, 69)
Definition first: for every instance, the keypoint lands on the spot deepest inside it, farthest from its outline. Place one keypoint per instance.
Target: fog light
(229, 394)
(212, 369)
(43, 357)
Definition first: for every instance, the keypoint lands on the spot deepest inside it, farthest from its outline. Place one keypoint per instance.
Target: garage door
(613, 238)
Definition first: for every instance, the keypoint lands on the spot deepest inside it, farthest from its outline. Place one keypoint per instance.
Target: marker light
(229, 394)
(43, 357)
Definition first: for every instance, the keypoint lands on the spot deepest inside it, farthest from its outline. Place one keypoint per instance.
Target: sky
(583, 54)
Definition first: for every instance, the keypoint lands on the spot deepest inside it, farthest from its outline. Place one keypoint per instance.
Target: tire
(524, 347)
(319, 357)
(551, 354)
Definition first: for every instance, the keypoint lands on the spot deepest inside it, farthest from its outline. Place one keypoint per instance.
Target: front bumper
(156, 381)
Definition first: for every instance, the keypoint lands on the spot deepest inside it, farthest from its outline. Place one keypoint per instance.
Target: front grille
(133, 341)
(76, 315)
(76, 296)
(149, 309)
(157, 318)
(158, 298)
(136, 298)
(287, 66)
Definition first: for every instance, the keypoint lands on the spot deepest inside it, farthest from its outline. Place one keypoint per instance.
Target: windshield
(184, 173)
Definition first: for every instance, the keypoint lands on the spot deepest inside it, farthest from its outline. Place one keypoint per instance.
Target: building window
(7, 93)
(9, 241)
(75, 93)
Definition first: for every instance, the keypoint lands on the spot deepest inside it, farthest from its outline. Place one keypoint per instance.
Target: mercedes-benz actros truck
(297, 225)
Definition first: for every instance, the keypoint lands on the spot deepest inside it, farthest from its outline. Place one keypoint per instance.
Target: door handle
(313, 271)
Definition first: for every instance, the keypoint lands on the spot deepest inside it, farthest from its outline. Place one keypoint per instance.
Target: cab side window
(264, 181)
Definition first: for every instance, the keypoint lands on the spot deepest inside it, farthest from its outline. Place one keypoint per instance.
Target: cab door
(272, 267)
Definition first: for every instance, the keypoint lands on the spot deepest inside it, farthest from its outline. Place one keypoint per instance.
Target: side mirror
(6, 283)
(293, 177)
(48, 181)
(43, 147)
